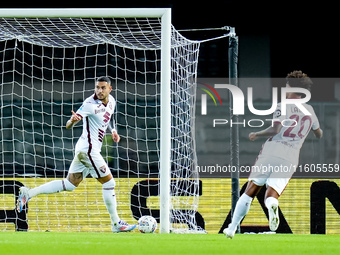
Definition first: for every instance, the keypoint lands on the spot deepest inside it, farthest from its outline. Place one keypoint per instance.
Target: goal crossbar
(84, 13)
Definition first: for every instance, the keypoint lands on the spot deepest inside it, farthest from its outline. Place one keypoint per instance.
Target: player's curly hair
(299, 79)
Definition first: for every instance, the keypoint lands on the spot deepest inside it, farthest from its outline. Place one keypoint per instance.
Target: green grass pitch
(49, 243)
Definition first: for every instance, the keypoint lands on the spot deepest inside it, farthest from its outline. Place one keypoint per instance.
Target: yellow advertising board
(84, 209)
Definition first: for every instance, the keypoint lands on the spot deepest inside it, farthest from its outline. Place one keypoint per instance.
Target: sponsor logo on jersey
(99, 110)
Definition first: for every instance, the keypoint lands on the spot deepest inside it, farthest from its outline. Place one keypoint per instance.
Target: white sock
(242, 208)
(110, 201)
(52, 187)
(271, 200)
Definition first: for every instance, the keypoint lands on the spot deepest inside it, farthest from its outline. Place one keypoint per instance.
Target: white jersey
(96, 117)
(295, 128)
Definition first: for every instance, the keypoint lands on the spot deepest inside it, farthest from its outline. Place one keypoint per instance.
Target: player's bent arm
(318, 133)
(270, 131)
(70, 123)
(73, 120)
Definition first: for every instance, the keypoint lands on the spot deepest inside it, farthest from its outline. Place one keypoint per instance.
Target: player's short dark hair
(104, 79)
(299, 79)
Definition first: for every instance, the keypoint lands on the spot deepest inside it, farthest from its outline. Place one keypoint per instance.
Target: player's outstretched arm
(73, 120)
(270, 131)
(318, 133)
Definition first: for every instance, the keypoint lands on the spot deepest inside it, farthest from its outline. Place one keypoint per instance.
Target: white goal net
(48, 66)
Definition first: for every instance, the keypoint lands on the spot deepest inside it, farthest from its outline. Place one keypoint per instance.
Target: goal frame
(165, 103)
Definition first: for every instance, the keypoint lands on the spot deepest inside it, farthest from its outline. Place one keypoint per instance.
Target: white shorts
(93, 164)
(272, 171)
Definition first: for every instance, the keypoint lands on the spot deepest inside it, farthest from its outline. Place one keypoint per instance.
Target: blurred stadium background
(274, 40)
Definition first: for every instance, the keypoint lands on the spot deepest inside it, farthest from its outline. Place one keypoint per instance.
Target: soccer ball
(147, 224)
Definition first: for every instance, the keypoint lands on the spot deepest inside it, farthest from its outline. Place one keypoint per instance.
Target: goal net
(48, 67)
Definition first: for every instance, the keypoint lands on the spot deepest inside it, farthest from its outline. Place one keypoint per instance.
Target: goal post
(234, 132)
(165, 142)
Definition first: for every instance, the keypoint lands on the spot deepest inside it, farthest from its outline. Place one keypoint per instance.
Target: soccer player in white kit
(279, 154)
(96, 112)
